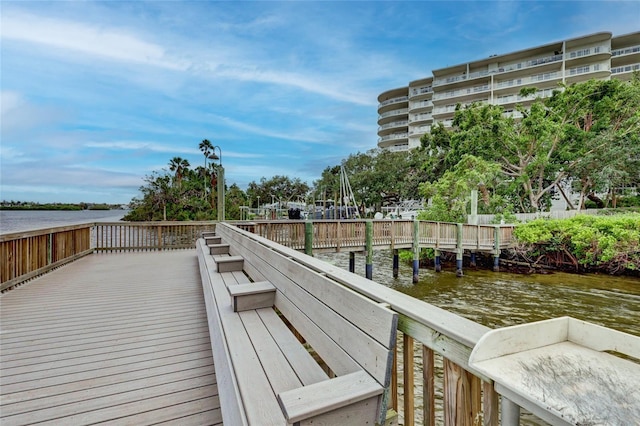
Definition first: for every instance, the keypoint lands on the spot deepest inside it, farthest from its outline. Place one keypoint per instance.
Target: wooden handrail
(349, 235)
(27, 254)
(24, 255)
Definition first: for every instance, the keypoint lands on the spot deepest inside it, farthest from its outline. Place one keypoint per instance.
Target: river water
(25, 220)
(503, 299)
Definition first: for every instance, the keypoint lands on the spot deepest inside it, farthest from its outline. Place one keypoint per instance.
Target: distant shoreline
(58, 207)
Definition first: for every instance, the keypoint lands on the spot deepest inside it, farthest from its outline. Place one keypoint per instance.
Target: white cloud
(110, 43)
(309, 136)
(140, 145)
(18, 115)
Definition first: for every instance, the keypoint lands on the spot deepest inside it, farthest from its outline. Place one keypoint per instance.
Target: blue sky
(96, 95)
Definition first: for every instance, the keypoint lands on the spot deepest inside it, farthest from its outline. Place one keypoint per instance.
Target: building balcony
(389, 116)
(625, 72)
(588, 52)
(418, 106)
(393, 138)
(420, 118)
(448, 109)
(625, 56)
(586, 72)
(463, 94)
(515, 98)
(418, 131)
(423, 117)
(420, 92)
(393, 125)
(397, 100)
(549, 78)
(502, 68)
(625, 51)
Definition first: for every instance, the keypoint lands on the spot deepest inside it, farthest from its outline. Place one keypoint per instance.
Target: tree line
(584, 139)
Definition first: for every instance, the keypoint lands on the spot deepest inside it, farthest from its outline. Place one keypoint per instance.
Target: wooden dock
(120, 334)
(115, 338)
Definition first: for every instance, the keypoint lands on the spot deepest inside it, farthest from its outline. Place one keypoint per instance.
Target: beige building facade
(405, 114)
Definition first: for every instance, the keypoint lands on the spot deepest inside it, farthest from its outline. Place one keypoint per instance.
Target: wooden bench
(259, 314)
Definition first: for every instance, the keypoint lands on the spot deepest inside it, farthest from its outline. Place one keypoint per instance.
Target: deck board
(114, 338)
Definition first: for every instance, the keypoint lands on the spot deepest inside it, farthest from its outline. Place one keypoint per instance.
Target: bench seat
(265, 374)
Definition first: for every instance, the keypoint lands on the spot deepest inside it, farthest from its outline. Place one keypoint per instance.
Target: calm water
(503, 299)
(15, 221)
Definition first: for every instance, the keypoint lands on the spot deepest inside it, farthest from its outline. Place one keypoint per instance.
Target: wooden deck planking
(114, 338)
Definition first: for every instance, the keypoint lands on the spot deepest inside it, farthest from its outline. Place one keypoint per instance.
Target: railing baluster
(428, 387)
(409, 405)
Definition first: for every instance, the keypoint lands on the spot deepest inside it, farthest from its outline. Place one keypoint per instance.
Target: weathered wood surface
(119, 338)
(353, 336)
(559, 370)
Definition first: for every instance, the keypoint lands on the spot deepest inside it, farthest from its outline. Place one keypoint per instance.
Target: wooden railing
(143, 236)
(345, 235)
(24, 255)
(28, 254)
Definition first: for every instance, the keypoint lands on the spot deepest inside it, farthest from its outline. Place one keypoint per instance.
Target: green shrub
(596, 242)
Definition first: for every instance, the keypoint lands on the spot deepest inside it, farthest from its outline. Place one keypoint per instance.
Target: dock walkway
(113, 338)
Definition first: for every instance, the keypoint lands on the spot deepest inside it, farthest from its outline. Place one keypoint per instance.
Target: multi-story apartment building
(407, 113)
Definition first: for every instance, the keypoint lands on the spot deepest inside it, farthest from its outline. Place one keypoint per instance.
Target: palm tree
(178, 165)
(207, 148)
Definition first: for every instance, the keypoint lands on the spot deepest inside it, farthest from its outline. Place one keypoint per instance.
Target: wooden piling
(459, 250)
(496, 248)
(396, 263)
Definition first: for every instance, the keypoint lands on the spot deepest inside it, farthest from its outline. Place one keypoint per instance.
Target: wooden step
(229, 263)
(212, 239)
(218, 248)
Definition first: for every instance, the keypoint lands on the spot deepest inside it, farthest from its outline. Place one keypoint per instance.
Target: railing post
(369, 249)
(489, 405)
(49, 248)
(428, 393)
(308, 237)
(416, 251)
(408, 380)
(394, 380)
(459, 250)
(458, 404)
